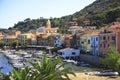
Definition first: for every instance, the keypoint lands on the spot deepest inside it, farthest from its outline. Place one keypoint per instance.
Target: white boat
(27, 56)
(71, 61)
(18, 65)
(103, 73)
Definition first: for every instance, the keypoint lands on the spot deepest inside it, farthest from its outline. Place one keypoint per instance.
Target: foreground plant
(50, 69)
(47, 69)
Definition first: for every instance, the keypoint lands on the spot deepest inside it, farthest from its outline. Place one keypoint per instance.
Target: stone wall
(90, 59)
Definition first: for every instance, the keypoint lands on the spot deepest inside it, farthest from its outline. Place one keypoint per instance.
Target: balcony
(103, 41)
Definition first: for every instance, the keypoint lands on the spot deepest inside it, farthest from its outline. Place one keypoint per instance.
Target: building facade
(107, 39)
(85, 42)
(94, 44)
(69, 53)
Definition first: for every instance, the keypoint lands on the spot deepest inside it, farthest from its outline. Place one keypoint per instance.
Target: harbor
(17, 59)
(21, 58)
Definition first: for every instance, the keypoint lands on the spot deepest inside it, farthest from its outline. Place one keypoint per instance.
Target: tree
(47, 69)
(2, 43)
(50, 69)
(4, 76)
(20, 74)
(112, 59)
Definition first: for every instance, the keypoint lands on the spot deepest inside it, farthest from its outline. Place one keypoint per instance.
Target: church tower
(48, 24)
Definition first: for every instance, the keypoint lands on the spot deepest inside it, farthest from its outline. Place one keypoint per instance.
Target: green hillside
(99, 13)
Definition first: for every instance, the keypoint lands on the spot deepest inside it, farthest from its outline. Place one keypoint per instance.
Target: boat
(27, 56)
(103, 73)
(18, 65)
(70, 61)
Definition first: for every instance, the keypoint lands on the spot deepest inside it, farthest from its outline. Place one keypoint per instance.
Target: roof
(67, 49)
(95, 33)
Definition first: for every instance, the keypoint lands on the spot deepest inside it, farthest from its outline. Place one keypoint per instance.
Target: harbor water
(5, 67)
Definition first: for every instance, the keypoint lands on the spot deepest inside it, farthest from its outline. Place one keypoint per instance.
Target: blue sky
(12, 11)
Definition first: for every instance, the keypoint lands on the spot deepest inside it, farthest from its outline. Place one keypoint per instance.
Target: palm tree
(50, 69)
(4, 76)
(20, 74)
(47, 69)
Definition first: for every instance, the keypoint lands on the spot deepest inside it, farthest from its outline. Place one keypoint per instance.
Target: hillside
(99, 13)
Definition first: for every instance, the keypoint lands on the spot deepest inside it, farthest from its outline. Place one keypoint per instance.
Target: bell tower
(48, 24)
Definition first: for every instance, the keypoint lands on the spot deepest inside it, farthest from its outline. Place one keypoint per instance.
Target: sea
(5, 67)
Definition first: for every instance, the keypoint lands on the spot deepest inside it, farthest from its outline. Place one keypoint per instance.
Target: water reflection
(4, 63)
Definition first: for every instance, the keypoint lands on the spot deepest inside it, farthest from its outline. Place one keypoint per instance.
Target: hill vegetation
(99, 13)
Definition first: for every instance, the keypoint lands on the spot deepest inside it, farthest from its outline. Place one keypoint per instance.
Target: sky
(12, 11)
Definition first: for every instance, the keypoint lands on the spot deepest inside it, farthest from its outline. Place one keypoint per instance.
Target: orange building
(107, 39)
(116, 28)
(1, 35)
(11, 36)
(68, 41)
(45, 40)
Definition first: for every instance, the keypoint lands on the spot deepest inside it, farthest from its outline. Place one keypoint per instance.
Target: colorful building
(85, 42)
(1, 36)
(59, 41)
(11, 36)
(45, 40)
(115, 27)
(68, 41)
(94, 43)
(107, 39)
(25, 38)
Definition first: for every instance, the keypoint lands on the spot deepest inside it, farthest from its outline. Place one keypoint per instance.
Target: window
(67, 57)
(104, 38)
(73, 53)
(113, 37)
(96, 38)
(88, 41)
(82, 42)
(60, 53)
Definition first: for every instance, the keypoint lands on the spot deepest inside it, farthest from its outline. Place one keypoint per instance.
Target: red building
(68, 40)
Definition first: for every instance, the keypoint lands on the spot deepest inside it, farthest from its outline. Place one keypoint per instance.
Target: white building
(41, 30)
(59, 41)
(94, 44)
(69, 53)
(73, 29)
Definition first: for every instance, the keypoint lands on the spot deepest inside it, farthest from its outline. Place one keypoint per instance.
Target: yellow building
(11, 36)
(24, 38)
(1, 35)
